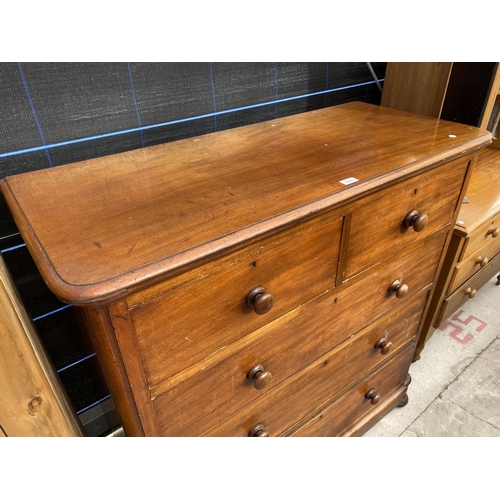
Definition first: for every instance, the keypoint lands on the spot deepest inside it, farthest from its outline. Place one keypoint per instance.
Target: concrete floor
(455, 388)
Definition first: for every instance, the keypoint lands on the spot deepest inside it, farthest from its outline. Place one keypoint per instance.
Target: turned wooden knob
(482, 261)
(398, 288)
(470, 292)
(259, 377)
(258, 431)
(494, 231)
(384, 346)
(372, 396)
(260, 301)
(416, 220)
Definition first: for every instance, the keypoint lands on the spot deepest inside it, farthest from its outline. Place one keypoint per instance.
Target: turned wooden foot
(404, 401)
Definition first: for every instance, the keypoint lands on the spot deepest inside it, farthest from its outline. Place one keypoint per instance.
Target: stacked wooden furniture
(474, 254)
(466, 92)
(265, 280)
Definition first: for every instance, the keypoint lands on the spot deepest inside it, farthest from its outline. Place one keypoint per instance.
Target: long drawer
(327, 377)
(280, 350)
(333, 419)
(292, 268)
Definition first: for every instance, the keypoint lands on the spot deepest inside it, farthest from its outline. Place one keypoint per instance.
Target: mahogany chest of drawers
(265, 280)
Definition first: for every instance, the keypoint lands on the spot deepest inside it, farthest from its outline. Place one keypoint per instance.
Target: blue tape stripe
(135, 102)
(93, 404)
(276, 80)
(181, 120)
(326, 86)
(213, 96)
(76, 362)
(50, 313)
(26, 89)
(5, 250)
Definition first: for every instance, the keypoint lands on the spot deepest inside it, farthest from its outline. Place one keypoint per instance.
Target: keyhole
(254, 264)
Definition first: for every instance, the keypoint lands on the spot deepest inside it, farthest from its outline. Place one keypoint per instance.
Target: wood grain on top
(100, 226)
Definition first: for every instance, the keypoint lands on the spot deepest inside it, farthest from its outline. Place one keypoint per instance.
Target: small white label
(349, 180)
(452, 136)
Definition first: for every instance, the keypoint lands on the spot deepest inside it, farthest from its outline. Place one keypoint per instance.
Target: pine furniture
(33, 401)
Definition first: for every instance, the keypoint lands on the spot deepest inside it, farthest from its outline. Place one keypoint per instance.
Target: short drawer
(467, 291)
(379, 222)
(486, 232)
(355, 404)
(475, 262)
(215, 391)
(205, 310)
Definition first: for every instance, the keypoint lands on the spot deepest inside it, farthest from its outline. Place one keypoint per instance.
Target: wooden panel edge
(403, 87)
(127, 341)
(495, 87)
(344, 246)
(99, 326)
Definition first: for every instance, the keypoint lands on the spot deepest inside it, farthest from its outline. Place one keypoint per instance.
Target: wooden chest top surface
(99, 227)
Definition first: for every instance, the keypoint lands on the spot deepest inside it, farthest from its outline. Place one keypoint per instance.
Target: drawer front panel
(378, 227)
(475, 262)
(340, 415)
(464, 292)
(487, 231)
(198, 318)
(282, 349)
(293, 400)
